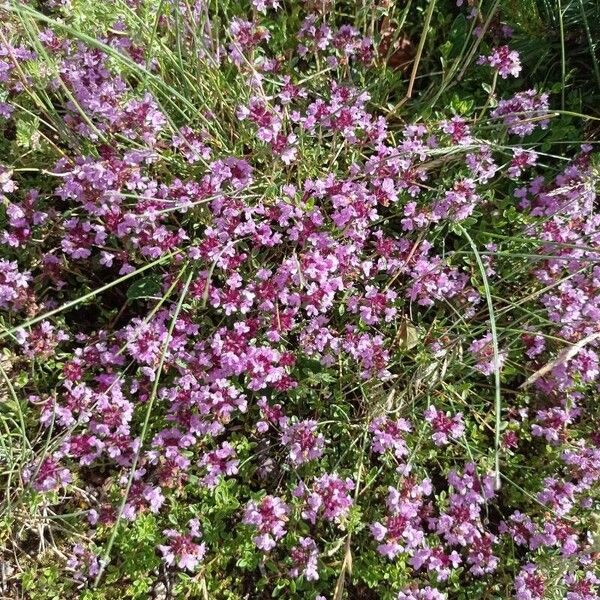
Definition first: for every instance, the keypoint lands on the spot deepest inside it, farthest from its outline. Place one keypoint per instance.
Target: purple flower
(181, 548)
(519, 527)
(374, 306)
(481, 164)
(262, 5)
(268, 516)
(504, 60)
(483, 353)
(313, 37)
(529, 585)
(83, 563)
(389, 435)
(7, 184)
(444, 426)
(556, 533)
(457, 203)
(435, 560)
(558, 495)
(581, 586)
(402, 530)
(285, 147)
(219, 462)
(521, 160)
(87, 448)
(303, 441)
(6, 110)
(328, 496)
(368, 350)
(270, 416)
(458, 130)
(142, 497)
(236, 171)
(245, 37)
(13, 284)
(432, 279)
(304, 558)
(535, 344)
(460, 523)
(584, 463)
(192, 145)
(47, 475)
(426, 593)
(551, 424)
(522, 113)
(267, 119)
(481, 559)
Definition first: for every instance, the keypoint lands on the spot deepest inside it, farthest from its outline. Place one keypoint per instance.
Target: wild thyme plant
(298, 299)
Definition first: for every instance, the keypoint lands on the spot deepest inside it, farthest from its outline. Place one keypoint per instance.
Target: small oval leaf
(144, 288)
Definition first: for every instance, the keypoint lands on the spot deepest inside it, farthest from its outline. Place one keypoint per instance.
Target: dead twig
(564, 355)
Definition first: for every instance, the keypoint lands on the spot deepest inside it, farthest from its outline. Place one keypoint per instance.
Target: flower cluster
(268, 517)
(304, 558)
(303, 441)
(402, 529)
(524, 112)
(504, 60)
(484, 354)
(389, 435)
(328, 497)
(445, 427)
(181, 548)
(13, 285)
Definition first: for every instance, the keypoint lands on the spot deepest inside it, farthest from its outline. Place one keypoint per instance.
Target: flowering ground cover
(299, 299)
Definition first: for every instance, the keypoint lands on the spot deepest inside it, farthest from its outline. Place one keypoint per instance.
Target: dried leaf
(397, 54)
(408, 335)
(346, 568)
(565, 355)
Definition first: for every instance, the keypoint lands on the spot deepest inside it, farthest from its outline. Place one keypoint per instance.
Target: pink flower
(262, 5)
(402, 529)
(458, 130)
(47, 475)
(444, 426)
(304, 558)
(328, 495)
(219, 462)
(426, 593)
(521, 160)
(181, 549)
(481, 164)
(522, 113)
(245, 36)
(529, 584)
(7, 184)
(268, 516)
(483, 353)
(83, 563)
(436, 560)
(389, 435)
(504, 60)
(13, 284)
(303, 441)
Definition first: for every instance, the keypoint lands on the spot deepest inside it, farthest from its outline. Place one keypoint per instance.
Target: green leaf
(461, 106)
(458, 35)
(146, 287)
(27, 134)
(446, 48)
